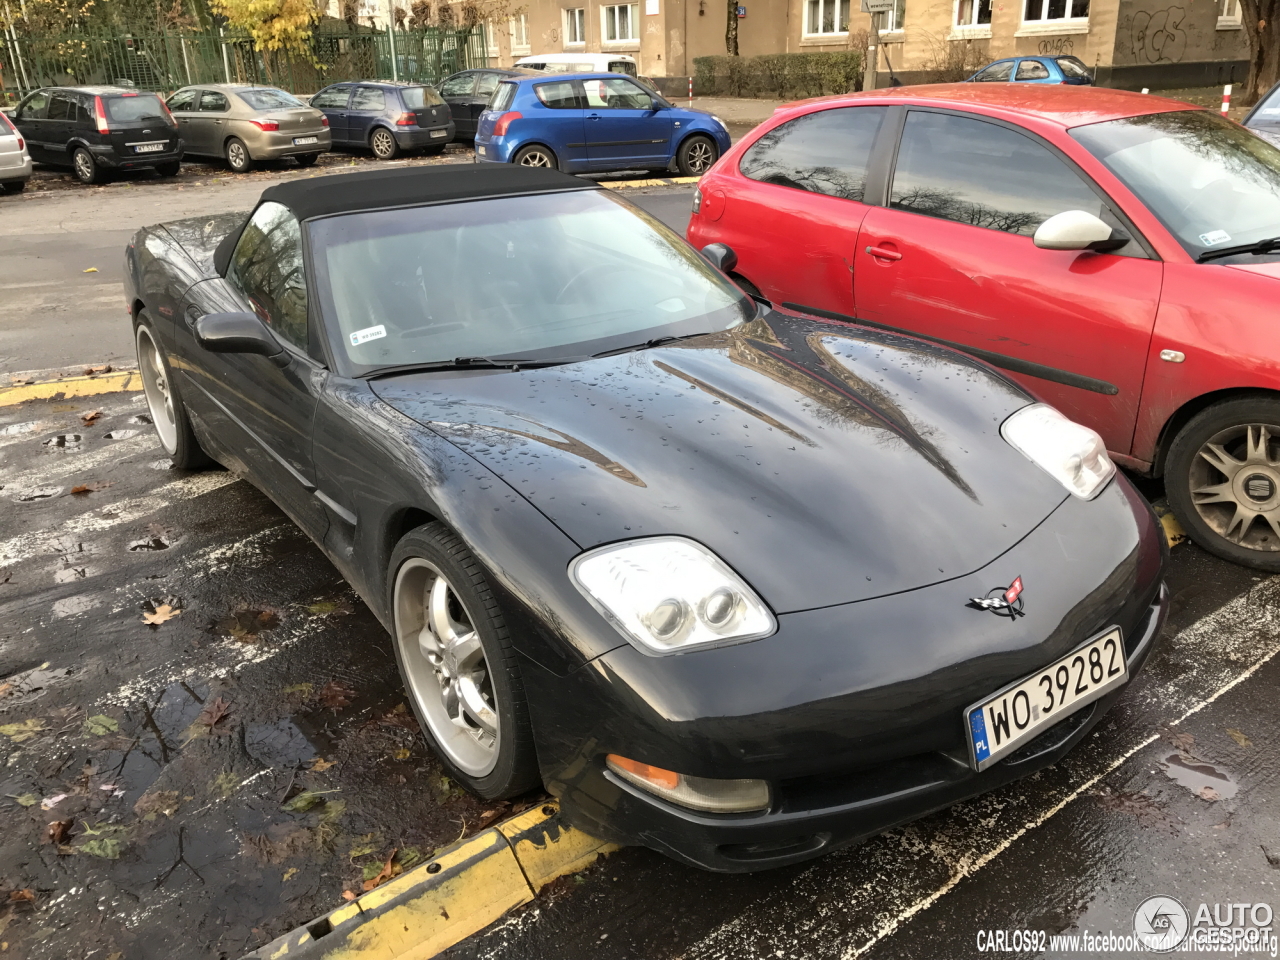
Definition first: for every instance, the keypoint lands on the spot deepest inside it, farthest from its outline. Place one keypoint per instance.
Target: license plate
(150, 147)
(439, 133)
(480, 150)
(299, 141)
(1006, 721)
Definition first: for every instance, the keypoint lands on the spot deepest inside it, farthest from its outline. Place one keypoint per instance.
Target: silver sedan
(15, 162)
(244, 123)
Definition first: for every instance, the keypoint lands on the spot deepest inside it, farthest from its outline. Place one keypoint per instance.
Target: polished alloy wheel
(536, 158)
(155, 385)
(237, 156)
(701, 156)
(1235, 485)
(383, 144)
(84, 166)
(445, 665)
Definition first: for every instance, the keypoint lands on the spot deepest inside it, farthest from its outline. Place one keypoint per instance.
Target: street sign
(877, 6)
(742, 12)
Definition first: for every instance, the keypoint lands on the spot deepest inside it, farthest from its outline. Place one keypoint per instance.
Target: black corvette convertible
(740, 585)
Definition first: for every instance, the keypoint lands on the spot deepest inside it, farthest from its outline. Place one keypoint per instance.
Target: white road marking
(56, 468)
(104, 517)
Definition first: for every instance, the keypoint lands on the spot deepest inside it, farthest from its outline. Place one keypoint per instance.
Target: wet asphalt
(197, 786)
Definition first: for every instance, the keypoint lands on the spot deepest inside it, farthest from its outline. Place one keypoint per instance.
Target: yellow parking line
(70, 387)
(655, 182)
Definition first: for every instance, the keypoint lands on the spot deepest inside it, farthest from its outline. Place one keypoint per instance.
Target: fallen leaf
(25, 730)
(91, 270)
(89, 418)
(335, 695)
(1208, 793)
(151, 805)
(100, 725)
(92, 486)
(305, 801)
(302, 689)
(5, 688)
(59, 831)
(400, 754)
(322, 608)
(320, 764)
(22, 896)
(289, 874)
(389, 870)
(24, 799)
(1240, 739)
(163, 614)
(107, 848)
(348, 895)
(48, 803)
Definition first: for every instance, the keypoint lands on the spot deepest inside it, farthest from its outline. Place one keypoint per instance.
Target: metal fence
(164, 62)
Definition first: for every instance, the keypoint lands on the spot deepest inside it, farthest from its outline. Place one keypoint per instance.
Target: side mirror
(239, 333)
(720, 256)
(1077, 230)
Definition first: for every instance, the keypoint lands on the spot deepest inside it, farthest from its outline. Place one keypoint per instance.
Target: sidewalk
(734, 110)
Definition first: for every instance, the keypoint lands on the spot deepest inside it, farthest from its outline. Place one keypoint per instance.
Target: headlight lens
(668, 594)
(719, 121)
(1071, 453)
(696, 793)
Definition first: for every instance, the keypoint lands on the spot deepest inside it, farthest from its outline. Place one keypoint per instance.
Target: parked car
(95, 130)
(244, 123)
(15, 162)
(1116, 253)
(386, 117)
(580, 63)
(1068, 70)
(468, 94)
(1264, 118)
(595, 122)
(739, 585)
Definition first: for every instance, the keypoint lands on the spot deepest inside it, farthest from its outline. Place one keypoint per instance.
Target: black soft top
(378, 190)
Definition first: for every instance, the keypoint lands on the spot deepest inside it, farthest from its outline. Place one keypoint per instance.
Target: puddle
(150, 543)
(64, 441)
(245, 625)
(120, 435)
(165, 464)
(17, 429)
(70, 574)
(142, 418)
(70, 606)
(1203, 779)
(31, 684)
(29, 494)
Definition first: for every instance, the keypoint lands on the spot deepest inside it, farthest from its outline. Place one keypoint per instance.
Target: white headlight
(1071, 453)
(667, 594)
(719, 121)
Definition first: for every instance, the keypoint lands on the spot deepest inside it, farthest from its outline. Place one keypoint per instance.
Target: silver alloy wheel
(701, 156)
(237, 155)
(155, 384)
(383, 144)
(1235, 482)
(84, 165)
(536, 158)
(445, 666)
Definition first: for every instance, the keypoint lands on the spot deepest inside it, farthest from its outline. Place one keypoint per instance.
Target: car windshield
(1211, 182)
(1073, 68)
(544, 276)
(415, 98)
(268, 98)
(134, 106)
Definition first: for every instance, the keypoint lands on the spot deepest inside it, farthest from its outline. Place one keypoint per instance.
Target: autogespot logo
(1161, 923)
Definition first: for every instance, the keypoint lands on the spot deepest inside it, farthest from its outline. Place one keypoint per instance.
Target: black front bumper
(853, 713)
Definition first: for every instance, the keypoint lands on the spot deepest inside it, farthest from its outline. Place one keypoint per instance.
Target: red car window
(825, 152)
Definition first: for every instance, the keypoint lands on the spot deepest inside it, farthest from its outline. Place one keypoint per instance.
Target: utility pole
(877, 9)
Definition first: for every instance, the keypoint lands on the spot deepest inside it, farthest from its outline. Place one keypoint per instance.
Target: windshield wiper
(1270, 245)
(655, 342)
(473, 363)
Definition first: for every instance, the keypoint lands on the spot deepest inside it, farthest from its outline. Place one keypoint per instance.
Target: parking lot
(205, 742)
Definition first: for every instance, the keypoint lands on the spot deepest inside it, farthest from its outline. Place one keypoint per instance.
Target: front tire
(536, 155)
(459, 666)
(383, 144)
(237, 155)
(1222, 477)
(696, 155)
(168, 415)
(85, 167)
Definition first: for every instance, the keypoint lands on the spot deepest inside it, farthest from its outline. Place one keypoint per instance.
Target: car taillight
(504, 121)
(407, 120)
(266, 124)
(324, 121)
(165, 108)
(100, 115)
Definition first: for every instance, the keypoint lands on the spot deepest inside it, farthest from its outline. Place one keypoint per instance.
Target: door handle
(594, 116)
(883, 253)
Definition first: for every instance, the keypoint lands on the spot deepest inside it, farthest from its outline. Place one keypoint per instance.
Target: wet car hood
(826, 463)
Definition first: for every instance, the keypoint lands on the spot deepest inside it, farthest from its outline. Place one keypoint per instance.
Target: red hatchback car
(1117, 254)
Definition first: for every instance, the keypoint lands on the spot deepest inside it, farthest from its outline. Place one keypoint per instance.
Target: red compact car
(1115, 253)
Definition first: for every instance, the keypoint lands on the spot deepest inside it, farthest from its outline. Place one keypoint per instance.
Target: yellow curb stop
(657, 182)
(463, 890)
(70, 387)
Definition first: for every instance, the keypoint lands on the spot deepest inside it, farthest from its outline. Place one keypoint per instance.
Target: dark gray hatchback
(94, 130)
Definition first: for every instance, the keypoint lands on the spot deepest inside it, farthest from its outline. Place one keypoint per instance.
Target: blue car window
(369, 98)
(996, 72)
(1072, 68)
(1032, 70)
(616, 94)
(502, 98)
(559, 95)
(332, 98)
(826, 152)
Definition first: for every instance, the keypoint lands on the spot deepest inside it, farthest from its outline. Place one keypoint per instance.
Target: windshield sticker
(367, 334)
(1210, 239)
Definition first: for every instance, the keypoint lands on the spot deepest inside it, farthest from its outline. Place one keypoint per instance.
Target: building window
(1044, 10)
(892, 21)
(620, 22)
(575, 25)
(490, 38)
(976, 13)
(518, 26)
(826, 17)
(1229, 15)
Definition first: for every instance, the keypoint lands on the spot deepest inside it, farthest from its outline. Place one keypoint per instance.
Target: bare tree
(731, 29)
(1264, 47)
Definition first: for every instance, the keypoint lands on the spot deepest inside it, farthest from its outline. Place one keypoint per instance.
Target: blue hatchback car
(594, 122)
(1035, 70)
(387, 117)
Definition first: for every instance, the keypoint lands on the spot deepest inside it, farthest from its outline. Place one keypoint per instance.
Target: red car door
(796, 227)
(951, 257)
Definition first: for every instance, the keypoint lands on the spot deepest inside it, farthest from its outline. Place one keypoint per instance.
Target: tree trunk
(1263, 32)
(731, 29)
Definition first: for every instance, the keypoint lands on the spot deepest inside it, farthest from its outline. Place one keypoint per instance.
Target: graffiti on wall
(1056, 47)
(1158, 37)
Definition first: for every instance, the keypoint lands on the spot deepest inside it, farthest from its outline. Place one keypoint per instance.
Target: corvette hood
(826, 463)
